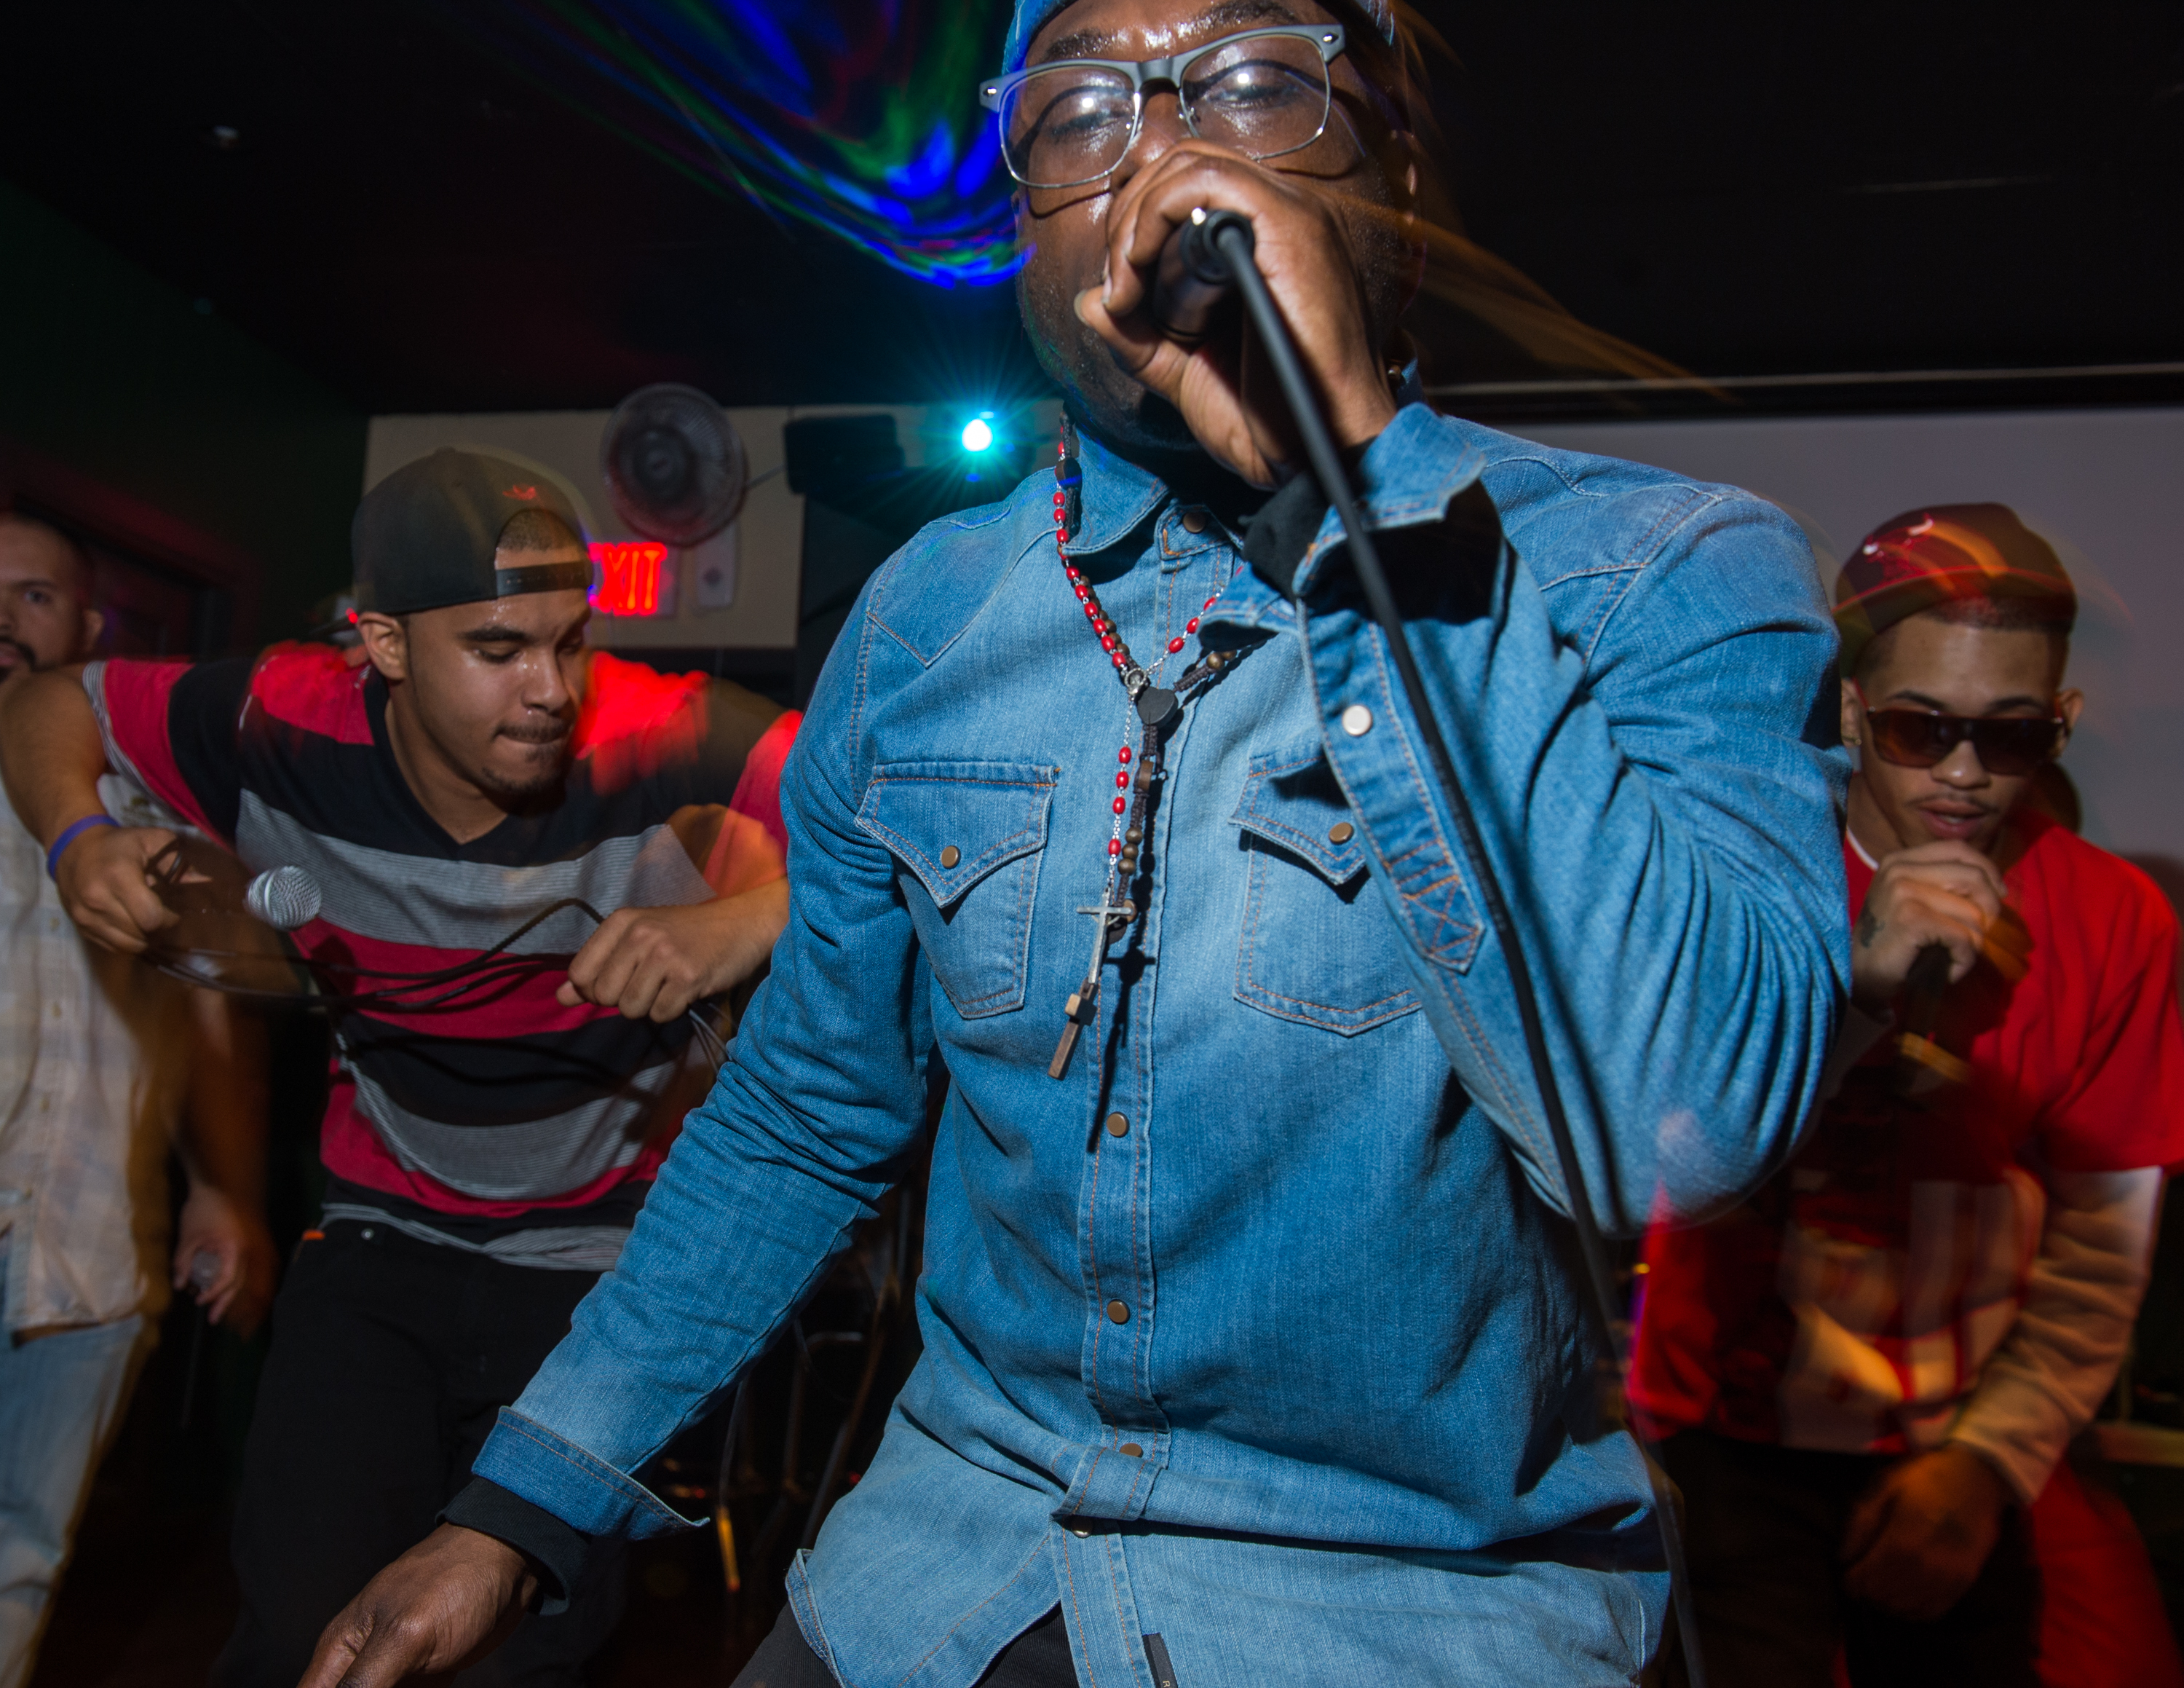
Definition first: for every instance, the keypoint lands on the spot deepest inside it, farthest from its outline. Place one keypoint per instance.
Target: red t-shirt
(1851, 1303)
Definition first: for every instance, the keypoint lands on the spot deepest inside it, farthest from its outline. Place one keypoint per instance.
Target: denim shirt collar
(1118, 495)
(1410, 478)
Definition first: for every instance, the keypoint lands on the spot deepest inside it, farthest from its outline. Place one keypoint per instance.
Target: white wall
(2102, 486)
(765, 541)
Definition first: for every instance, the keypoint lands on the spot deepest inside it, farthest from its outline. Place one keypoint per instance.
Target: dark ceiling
(1743, 187)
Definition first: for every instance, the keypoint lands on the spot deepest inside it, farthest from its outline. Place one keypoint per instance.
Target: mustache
(30, 658)
(548, 732)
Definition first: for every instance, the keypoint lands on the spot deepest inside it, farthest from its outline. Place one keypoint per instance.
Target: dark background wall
(167, 432)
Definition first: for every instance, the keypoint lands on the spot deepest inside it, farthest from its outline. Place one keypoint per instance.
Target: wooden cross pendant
(1084, 1001)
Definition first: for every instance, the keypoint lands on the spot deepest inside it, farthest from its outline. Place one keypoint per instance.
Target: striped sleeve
(171, 727)
(758, 789)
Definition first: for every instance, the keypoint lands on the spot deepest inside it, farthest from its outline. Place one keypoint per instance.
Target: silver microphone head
(284, 898)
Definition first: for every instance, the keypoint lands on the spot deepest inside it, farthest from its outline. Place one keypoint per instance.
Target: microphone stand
(1215, 250)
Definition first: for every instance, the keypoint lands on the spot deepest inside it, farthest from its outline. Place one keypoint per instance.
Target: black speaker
(831, 454)
(853, 526)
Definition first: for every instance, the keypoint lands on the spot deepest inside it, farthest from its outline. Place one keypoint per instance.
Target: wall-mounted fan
(674, 465)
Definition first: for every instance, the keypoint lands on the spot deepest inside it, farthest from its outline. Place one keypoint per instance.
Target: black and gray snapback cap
(424, 538)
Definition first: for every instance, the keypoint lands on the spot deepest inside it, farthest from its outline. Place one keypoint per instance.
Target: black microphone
(1923, 986)
(1919, 1059)
(1196, 277)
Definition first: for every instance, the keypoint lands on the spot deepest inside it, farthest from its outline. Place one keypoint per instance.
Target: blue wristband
(75, 830)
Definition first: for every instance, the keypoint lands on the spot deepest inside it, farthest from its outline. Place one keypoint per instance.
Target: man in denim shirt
(1255, 1350)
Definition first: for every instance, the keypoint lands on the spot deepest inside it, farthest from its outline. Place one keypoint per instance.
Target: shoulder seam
(873, 616)
(1656, 540)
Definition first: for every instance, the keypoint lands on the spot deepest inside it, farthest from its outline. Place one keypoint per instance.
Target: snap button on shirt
(949, 855)
(1117, 1125)
(1341, 832)
(1356, 720)
(1193, 521)
(1118, 1312)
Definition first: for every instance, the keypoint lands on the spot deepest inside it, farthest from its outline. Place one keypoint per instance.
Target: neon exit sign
(629, 577)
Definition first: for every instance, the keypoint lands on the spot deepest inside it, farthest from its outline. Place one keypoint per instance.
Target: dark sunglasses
(2008, 745)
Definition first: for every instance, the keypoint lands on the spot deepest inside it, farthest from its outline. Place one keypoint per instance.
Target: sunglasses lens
(1911, 739)
(2013, 747)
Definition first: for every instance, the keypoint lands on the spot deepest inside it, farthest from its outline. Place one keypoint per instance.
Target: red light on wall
(629, 577)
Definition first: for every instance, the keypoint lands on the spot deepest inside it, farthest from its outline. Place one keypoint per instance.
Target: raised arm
(1659, 803)
(656, 962)
(51, 756)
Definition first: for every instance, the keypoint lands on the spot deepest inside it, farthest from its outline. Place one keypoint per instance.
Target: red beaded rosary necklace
(1160, 710)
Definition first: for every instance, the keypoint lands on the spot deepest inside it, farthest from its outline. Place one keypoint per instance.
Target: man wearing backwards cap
(1872, 1367)
(487, 1144)
(1254, 1343)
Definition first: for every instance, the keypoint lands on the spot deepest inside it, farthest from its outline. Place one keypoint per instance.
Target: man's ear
(2069, 704)
(385, 643)
(1854, 714)
(94, 623)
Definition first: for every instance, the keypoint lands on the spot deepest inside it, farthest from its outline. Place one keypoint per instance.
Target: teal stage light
(977, 435)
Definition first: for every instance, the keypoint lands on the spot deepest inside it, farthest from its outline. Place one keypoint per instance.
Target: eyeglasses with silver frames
(1263, 92)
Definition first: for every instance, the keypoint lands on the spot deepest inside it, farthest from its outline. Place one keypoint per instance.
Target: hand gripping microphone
(1196, 275)
(1204, 260)
(1921, 1064)
(196, 878)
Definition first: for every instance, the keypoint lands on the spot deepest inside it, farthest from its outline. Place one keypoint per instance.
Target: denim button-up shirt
(1316, 1282)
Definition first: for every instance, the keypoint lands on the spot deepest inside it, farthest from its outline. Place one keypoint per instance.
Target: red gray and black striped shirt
(500, 1102)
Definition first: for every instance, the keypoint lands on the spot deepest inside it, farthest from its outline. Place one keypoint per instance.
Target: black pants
(1765, 1528)
(390, 1358)
(1037, 1658)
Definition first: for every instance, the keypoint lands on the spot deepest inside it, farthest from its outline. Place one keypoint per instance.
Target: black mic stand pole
(1211, 243)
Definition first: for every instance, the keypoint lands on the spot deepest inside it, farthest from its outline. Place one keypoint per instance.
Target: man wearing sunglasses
(1873, 1367)
(1254, 1349)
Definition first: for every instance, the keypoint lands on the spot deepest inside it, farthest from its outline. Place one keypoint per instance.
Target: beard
(546, 763)
(1113, 407)
(27, 660)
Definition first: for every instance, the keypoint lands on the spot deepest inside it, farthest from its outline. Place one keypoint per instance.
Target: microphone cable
(489, 968)
(1215, 251)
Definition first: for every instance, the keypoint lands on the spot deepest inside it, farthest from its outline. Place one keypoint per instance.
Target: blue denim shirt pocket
(1318, 946)
(968, 836)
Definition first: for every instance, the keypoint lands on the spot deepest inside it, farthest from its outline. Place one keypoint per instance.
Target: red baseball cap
(1925, 558)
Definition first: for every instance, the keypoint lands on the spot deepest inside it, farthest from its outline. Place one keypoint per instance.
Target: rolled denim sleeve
(1657, 787)
(808, 1125)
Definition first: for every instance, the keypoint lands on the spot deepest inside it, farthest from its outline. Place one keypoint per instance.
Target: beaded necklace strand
(1159, 710)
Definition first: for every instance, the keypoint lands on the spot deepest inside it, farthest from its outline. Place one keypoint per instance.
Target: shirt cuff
(1282, 529)
(556, 1552)
(582, 1490)
(1411, 475)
